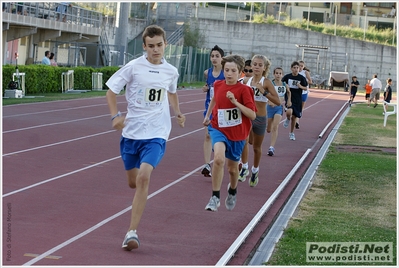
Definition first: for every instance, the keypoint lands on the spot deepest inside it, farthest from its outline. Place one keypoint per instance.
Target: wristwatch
(266, 92)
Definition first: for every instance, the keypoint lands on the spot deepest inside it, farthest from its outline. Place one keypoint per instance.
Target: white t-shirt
(147, 87)
(303, 73)
(375, 83)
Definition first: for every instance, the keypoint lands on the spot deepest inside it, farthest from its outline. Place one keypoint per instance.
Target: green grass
(353, 196)
(192, 85)
(383, 37)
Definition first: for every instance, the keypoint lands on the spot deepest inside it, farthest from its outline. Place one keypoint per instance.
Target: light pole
(365, 25)
(336, 17)
(307, 28)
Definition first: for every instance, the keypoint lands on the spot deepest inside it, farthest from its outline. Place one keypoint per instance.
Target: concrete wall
(278, 43)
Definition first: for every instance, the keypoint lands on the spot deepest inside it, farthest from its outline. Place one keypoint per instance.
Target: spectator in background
(376, 86)
(393, 12)
(368, 88)
(388, 91)
(46, 58)
(20, 8)
(52, 61)
(61, 10)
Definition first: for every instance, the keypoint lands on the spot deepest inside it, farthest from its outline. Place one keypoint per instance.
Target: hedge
(47, 79)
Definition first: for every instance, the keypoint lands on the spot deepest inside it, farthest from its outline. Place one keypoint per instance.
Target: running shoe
(286, 123)
(297, 125)
(230, 201)
(292, 136)
(271, 151)
(254, 179)
(131, 241)
(213, 204)
(243, 174)
(206, 171)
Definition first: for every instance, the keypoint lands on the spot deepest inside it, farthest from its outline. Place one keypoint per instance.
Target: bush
(47, 79)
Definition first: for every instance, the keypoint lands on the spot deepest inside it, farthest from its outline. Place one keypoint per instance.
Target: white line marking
(52, 111)
(98, 225)
(58, 143)
(78, 170)
(52, 124)
(58, 177)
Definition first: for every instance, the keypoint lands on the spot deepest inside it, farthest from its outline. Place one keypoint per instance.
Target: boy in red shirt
(233, 108)
(368, 91)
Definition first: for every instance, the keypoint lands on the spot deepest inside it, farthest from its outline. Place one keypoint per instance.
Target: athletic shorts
(305, 95)
(296, 110)
(367, 96)
(353, 92)
(233, 148)
(272, 111)
(375, 93)
(259, 125)
(135, 152)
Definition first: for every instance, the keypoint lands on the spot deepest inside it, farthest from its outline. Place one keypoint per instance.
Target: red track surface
(63, 179)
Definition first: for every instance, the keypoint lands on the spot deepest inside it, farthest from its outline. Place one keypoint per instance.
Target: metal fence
(190, 62)
(48, 10)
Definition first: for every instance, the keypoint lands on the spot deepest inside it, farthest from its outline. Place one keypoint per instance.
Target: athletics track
(66, 200)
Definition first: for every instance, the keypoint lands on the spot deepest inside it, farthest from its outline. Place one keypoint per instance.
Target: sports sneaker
(297, 125)
(206, 171)
(254, 179)
(230, 201)
(243, 174)
(292, 136)
(131, 241)
(286, 123)
(271, 151)
(213, 204)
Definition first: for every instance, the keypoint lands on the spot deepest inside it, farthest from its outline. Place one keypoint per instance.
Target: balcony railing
(48, 10)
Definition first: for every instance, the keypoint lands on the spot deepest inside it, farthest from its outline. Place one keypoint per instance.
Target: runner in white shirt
(151, 84)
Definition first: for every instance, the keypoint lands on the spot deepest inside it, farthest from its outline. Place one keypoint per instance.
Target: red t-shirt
(226, 117)
(368, 88)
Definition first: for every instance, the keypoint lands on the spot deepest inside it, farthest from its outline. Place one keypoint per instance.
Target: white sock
(255, 169)
(245, 165)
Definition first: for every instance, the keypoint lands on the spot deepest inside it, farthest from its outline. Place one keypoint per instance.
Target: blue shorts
(135, 152)
(271, 111)
(233, 148)
(305, 96)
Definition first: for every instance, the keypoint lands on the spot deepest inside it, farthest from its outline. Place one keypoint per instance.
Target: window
(375, 4)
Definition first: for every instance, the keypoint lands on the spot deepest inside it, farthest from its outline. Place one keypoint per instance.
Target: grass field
(353, 196)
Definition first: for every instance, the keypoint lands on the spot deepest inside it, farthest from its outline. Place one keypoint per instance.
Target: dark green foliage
(47, 79)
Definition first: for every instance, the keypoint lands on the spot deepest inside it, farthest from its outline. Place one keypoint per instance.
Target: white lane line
(82, 169)
(57, 143)
(75, 120)
(58, 177)
(52, 111)
(76, 139)
(80, 107)
(52, 124)
(98, 225)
